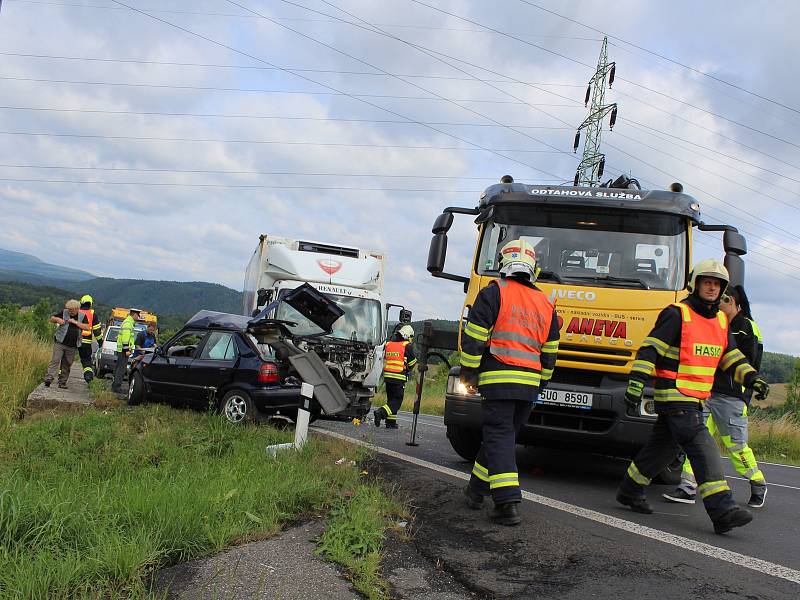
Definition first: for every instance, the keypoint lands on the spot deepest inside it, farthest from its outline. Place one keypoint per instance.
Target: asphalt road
(589, 481)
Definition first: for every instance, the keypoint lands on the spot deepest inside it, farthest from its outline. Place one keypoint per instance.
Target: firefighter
(690, 340)
(726, 410)
(508, 351)
(399, 360)
(93, 335)
(125, 344)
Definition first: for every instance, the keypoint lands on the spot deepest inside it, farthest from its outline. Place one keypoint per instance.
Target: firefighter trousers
(682, 427)
(85, 353)
(727, 416)
(394, 399)
(495, 468)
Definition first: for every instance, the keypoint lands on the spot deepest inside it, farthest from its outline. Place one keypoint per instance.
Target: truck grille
(577, 377)
(555, 417)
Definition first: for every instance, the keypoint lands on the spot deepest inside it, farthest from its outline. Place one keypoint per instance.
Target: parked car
(214, 362)
(105, 358)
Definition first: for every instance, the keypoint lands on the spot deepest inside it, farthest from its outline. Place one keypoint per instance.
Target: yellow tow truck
(612, 258)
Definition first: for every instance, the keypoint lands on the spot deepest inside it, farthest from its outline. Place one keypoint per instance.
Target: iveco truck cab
(612, 258)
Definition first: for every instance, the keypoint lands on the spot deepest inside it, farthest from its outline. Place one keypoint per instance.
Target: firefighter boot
(733, 517)
(505, 514)
(378, 415)
(391, 424)
(637, 503)
(758, 494)
(473, 499)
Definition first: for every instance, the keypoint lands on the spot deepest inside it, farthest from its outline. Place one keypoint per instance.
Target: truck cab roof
(661, 201)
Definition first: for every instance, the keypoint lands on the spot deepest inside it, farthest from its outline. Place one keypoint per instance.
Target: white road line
(741, 560)
(769, 483)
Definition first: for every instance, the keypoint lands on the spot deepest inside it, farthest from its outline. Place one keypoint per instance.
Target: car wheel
(237, 407)
(465, 441)
(136, 391)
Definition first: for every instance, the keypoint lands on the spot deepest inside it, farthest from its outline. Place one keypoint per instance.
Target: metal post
(422, 367)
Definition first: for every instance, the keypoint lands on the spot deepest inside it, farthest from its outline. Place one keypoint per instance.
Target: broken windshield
(360, 322)
(602, 248)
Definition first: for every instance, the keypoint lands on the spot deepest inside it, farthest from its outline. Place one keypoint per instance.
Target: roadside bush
(35, 318)
(775, 440)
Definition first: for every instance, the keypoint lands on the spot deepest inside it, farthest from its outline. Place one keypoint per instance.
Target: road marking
(770, 484)
(741, 560)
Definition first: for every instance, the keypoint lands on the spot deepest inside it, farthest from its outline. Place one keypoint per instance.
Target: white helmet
(406, 332)
(518, 257)
(710, 267)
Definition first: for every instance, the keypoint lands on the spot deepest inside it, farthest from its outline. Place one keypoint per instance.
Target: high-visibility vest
(394, 366)
(87, 334)
(126, 333)
(703, 342)
(756, 331)
(522, 326)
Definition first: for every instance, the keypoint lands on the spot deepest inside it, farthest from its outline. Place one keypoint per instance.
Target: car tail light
(268, 373)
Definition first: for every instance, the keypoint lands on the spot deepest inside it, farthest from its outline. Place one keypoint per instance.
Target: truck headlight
(647, 408)
(455, 387)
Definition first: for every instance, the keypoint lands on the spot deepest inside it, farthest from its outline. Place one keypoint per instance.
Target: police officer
(125, 344)
(508, 350)
(398, 362)
(93, 335)
(726, 410)
(690, 340)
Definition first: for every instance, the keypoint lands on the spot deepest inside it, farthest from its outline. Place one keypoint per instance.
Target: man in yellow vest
(399, 359)
(508, 352)
(93, 335)
(125, 345)
(690, 340)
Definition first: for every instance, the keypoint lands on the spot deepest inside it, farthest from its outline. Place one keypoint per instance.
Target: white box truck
(351, 277)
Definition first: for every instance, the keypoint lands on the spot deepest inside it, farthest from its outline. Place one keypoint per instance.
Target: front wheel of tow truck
(465, 441)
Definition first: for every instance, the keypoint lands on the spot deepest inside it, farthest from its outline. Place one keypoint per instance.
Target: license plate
(565, 398)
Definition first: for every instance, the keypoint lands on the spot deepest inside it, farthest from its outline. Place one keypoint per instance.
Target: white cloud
(209, 233)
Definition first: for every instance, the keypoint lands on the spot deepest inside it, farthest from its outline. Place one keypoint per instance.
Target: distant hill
(169, 297)
(25, 263)
(164, 297)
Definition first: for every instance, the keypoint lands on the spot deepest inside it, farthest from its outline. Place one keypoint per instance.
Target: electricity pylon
(590, 169)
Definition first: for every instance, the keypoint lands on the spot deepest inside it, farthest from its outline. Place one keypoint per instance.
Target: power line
(378, 68)
(299, 19)
(261, 91)
(271, 142)
(226, 172)
(266, 117)
(663, 57)
(263, 68)
(579, 62)
(236, 185)
(306, 78)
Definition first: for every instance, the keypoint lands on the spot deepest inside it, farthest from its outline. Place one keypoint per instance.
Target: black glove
(760, 387)
(634, 393)
(469, 379)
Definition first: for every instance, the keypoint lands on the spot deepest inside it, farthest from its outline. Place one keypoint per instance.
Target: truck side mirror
(734, 242)
(405, 316)
(442, 223)
(437, 252)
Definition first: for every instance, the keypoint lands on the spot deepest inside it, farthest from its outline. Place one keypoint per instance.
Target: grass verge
(355, 534)
(23, 364)
(775, 440)
(90, 504)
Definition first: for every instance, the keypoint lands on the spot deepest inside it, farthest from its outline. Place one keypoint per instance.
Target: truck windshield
(360, 322)
(604, 248)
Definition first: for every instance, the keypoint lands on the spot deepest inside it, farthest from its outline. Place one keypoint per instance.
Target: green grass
(432, 392)
(23, 363)
(90, 504)
(355, 534)
(775, 440)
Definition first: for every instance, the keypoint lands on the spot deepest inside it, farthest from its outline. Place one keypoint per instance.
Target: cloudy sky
(158, 139)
